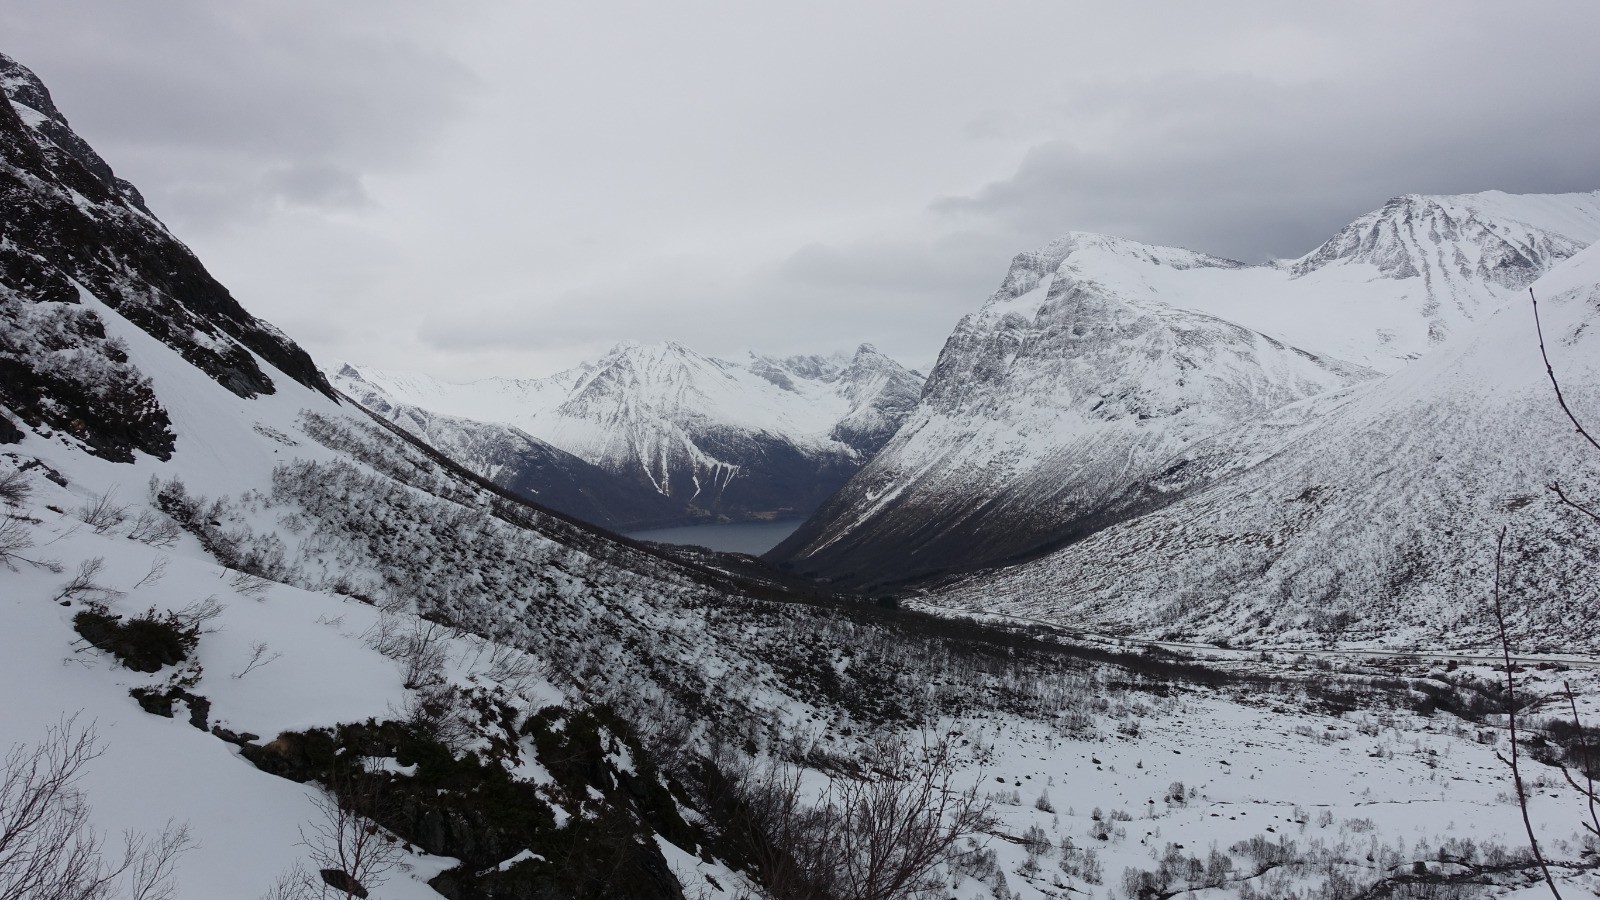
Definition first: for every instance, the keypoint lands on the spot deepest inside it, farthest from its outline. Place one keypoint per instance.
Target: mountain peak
(1503, 239)
(1091, 249)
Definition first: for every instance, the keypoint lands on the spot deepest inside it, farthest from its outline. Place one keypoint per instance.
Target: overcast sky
(490, 187)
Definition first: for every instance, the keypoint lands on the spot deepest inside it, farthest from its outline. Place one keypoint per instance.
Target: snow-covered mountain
(696, 438)
(1054, 410)
(256, 628)
(523, 464)
(1369, 515)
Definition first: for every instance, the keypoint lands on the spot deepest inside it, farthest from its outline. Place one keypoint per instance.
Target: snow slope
(1368, 516)
(1099, 358)
(717, 440)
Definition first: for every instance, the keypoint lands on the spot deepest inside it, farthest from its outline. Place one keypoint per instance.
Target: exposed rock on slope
(1052, 411)
(1369, 515)
(703, 438)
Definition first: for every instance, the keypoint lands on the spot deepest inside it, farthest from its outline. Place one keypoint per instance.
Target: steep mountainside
(71, 226)
(704, 438)
(1368, 516)
(1052, 410)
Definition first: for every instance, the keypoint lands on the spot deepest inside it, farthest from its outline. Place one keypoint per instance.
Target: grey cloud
(317, 185)
(901, 294)
(215, 108)
(492, 186)
(1243, 168)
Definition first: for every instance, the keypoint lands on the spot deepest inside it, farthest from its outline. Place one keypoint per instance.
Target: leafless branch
(1573, 504)
(877, 836)
(352, 852)
(250, 585)
(153, 528)
(84, 582)
(158, 570)
(14, 488)
(198, 615)
(49, 851)
(102, 513)
(1587, 790)
(258, 658)
(1511, 713)
(16, 537)
(1549, 370)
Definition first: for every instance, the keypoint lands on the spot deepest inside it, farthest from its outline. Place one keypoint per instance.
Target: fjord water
(754, 538)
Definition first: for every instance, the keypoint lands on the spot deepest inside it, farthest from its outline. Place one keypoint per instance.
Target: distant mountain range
(656, 435)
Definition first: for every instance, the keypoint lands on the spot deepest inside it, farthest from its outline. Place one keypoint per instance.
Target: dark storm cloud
(217, 109)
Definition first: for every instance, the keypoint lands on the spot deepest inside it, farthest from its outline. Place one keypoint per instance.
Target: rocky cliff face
(77, 238)
(1056, 409)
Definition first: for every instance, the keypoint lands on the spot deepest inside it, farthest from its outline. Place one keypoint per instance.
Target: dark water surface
(754, 538)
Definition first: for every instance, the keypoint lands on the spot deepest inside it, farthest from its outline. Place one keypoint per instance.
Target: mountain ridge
(1053, 407)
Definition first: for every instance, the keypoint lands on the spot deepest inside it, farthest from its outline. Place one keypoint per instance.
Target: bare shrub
(352, 853)
(48, 849)
(260, 655)
(250, 585)
(881, 836)
(512, 668)
(197, 615)
(102, 513)
(414, 642)
(435, 711)
(15, 538)
(158, 571)
(83, 585)
(1043, 803)
(153, 528)
(14, 488)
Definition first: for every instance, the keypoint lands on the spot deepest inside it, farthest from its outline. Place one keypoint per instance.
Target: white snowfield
(320, 667)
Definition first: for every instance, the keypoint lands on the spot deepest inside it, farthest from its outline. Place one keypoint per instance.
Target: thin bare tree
(1511, 715)
(880, 834)
(352, 853)
(1587, 789)
(49, 850)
